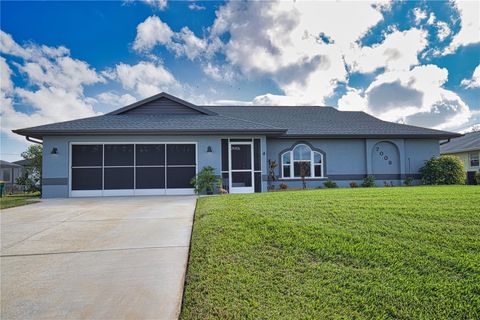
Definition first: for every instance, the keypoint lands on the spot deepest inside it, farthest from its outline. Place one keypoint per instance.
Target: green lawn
(404, 253)
(9, 201)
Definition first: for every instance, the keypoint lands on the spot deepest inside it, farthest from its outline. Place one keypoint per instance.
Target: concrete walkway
(95, 258)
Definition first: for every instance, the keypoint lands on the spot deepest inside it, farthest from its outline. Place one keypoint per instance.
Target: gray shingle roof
(6, 164)
(284, 121)
(325, 121)
(150, 124)
(469, 142)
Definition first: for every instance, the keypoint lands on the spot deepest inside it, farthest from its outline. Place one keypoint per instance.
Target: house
(155, 146)
(9, 172)
(467, 148)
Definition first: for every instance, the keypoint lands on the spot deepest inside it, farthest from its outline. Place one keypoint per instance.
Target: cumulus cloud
(413, 96)
(114, 99)
(55, 90)
(443, 30)
(399, 51)
(420, 15)
(474, 81)
(469, 33)
(151, 33)
(145, 78)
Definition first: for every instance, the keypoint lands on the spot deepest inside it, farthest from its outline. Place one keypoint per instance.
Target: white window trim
(470, 158)
(312, 163)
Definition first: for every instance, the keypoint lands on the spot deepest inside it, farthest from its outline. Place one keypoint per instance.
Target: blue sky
(408, 62)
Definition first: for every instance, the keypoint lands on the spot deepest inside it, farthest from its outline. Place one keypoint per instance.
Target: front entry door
(241, 167)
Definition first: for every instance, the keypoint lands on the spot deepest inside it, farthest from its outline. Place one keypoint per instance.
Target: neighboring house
(155, 146)
(467, 148)
(9, 172)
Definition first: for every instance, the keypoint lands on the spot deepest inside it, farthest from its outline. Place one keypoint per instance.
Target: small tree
(206, 180)
(443, 170)
(272, 164)
(369, 182)
(32, 174)
(304, 173)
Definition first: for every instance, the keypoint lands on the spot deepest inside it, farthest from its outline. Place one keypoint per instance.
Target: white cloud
(474, 81)
(151, 33)
(443, 30)
(431, 19)
(413, 96)
(219, 72)
(469, 33)
(194, 6)
(282, 40)
(145, 78)
(114, 99)
(157, 4)
(399, 51)
(420, 15)
(55, 90)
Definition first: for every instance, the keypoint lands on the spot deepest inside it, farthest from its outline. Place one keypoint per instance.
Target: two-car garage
(114, 169)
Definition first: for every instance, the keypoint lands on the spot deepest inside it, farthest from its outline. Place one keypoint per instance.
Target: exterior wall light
(209, 149)
(54, 151)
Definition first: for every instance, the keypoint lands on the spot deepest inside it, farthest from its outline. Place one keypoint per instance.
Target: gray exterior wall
(350, 160)
(345, 160)
(56, 166)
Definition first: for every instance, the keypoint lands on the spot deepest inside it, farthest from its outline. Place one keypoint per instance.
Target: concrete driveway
(95, 258)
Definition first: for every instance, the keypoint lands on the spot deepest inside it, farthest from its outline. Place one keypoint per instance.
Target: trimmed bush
(443, 170)
(353, 184)
(283, 186)
(408, 181)
(369, 182)
(330, 184)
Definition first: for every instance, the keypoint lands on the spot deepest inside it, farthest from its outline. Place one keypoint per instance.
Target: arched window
(302, 160)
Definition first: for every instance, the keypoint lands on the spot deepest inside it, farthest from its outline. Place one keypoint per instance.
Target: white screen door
(241, 167)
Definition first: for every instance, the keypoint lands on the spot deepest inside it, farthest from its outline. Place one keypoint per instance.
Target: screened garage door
(132, 169)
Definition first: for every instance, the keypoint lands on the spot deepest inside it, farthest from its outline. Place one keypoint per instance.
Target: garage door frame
(128, 192)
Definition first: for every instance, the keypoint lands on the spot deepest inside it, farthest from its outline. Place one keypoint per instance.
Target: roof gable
(162, 104)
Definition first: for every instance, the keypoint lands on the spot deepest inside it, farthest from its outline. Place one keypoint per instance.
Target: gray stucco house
(155, 146)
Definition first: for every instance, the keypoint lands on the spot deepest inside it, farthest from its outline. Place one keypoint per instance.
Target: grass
(9, 201)
(404, 253)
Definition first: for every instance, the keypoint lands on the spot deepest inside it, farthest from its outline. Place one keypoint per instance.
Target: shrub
(368, 182)
(477, 177)
(408, 181)
(283, 186)
(330, 184)
(206, 180)
(353, 184)
(443, 170)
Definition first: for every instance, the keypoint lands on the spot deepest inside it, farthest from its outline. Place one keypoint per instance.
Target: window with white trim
(302, 158)
(474, 161)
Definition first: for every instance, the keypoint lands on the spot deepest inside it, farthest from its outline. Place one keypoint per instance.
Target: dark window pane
(87, 179)
(241, 156)
(88, 155)
(180, 177)
(224, 154)
(150, 178)
(258, 181)
(299, 166)
(286, 171)
(225, 178)
(118, 178)
(241, 179)
(119, 155)
(150, 154)
(180, 154)
(318, 171)
(257, 158)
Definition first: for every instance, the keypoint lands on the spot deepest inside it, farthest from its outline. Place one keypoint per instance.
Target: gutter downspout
(32, 140)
